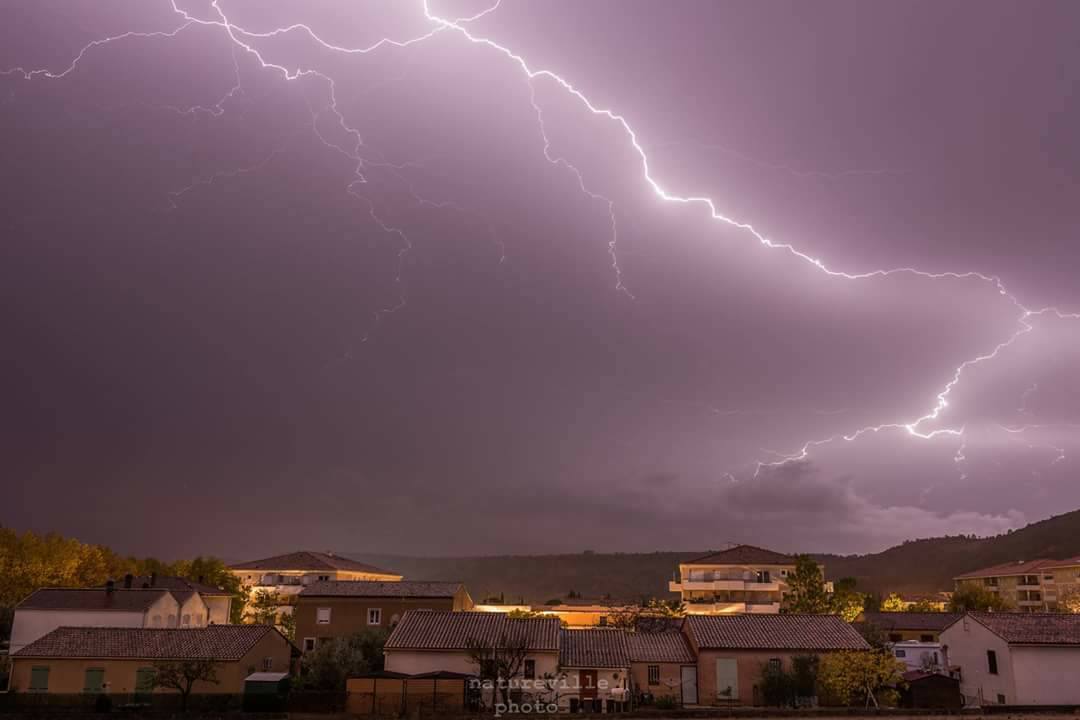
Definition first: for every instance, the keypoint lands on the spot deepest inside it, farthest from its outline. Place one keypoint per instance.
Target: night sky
(379, 306)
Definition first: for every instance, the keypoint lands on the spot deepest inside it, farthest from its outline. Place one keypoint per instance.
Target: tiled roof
(218, 642)
(933, 621)
(774, 632)
(397, 589)
(1032, 628)
(307, 560)
(660, 647)
(594, 648)
(743, 555)
(92, 599)
(1022, 567)
(170, 582)
(1068, 562)
(437, 630)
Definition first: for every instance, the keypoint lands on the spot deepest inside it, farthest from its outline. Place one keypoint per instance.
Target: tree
(263, 609)
(893, 603)
(650, 615)
(498, 663)
(846, 601)
(287, 626)
(924, 605)
(1069, 601)
(968, 598)
(807, 587)
(851, 677)
(182, 675)
(335, 661)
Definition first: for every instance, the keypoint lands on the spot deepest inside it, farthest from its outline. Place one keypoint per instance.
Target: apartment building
(286, 575)
(1030, 585)
(338, 608)
(742, 579)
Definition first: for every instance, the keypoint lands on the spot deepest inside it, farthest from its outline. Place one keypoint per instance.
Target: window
(530, 669)
(991, 662)
(1001, 699)
(95, 680)
(172, 621)
(654, 674)
(309, 644)
(144, 681)
(156, 621)
(374, 616)
(1029, 580)
(783, 573)
(39, 678)
(324, 577)
(901, 653)
(603, 621)
(763, 576)
(774, 665)
(322, 616)
(926, 638)
(991, 581)
(268, 664)
(185, 620)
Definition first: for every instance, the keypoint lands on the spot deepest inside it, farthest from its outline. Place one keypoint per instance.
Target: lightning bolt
(922, 427)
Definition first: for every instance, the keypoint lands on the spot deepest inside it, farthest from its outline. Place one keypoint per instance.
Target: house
(218, 601)
(339, 608)
(1016, 658)
(733, 650)
(50, 608)
(434, 641)
(903, 626)
(1029, 585)
(742, 579)
(594, 670)
(286, 575)
(663, 665)
(120, 660)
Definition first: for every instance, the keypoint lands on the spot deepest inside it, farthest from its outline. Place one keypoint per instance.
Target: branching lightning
(924, 427)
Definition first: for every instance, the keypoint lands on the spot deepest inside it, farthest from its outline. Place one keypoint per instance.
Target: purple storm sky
(269, 282)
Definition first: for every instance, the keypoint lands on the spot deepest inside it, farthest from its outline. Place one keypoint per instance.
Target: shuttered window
(95, 680)
(39, 679)
(727, 679)
(144, 681)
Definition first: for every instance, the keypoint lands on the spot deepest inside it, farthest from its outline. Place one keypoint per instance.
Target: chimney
(128, 579)
(153, 579)
(110, 587)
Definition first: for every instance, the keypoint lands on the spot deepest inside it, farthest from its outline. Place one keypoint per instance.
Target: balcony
(722, 584)
(733, 608)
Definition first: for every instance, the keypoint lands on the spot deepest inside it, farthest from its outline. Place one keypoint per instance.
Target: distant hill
(916, 566)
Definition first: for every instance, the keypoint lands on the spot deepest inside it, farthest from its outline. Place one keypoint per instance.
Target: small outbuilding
(930, 690)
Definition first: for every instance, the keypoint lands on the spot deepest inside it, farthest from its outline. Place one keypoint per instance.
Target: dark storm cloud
(203, 308)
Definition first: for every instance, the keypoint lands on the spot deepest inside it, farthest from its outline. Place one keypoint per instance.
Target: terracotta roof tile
(438, 630)
(92, 599)
(774, 632)
(1032, 628)
(365, 588)
(933, 621)
(218, 642)
(170, 582)
(660, 647)
(594, 648)
(1022, 567)
(743, 555)
(307, 560)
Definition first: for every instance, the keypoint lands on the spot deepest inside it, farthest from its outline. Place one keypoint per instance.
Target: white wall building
(1016, 658)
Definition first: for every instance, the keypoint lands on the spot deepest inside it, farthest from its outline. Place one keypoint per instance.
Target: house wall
(670, 680)
(68, 676)
(607, 679)
(967, 642)
(350, 615)
(749, 665)
(1046, 675)
(195, 610)
(29, 625)
(218, 608)
(413, 662)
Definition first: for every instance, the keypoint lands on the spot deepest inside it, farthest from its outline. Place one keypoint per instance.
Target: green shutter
(95, 680)
(144, 681)
(39, 679)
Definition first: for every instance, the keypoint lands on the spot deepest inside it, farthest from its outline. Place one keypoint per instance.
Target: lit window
(322, 616)
(374, 616)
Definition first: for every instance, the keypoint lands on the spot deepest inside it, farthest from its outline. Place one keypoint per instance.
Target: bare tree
(499, 662)
(182, 675)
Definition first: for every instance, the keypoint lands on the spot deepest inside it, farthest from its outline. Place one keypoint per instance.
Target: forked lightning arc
(243, 40)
